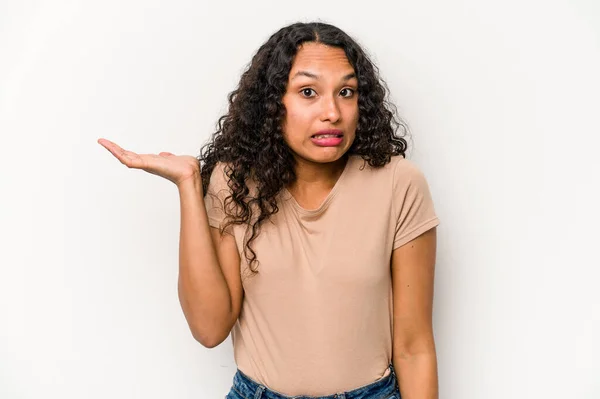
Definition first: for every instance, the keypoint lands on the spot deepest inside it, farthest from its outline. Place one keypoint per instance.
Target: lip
(329, 131)
(335, 141)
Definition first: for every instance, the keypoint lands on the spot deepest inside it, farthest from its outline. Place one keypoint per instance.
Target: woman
(304, 230)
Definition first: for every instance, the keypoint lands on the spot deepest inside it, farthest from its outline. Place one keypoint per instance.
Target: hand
(176, 168)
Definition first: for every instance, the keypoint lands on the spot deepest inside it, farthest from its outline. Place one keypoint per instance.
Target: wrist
(191, 183)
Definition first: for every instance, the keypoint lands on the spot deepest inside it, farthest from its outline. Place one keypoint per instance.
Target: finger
(108, 144)
(166, 154)
(112, 147)
(148, 162)
(105, 143)
(132, 160)
(128, 158)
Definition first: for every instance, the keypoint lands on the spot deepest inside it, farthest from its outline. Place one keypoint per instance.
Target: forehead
(312, 56)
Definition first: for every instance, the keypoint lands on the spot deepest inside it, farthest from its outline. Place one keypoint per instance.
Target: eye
(307, 92)
(347, 92)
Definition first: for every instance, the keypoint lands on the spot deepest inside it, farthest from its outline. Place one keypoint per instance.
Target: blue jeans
(246, 388)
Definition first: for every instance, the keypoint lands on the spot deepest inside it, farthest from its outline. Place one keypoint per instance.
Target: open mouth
(327, 136)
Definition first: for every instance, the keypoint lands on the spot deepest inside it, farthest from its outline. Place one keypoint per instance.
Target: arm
(414, 355)
(209, 286)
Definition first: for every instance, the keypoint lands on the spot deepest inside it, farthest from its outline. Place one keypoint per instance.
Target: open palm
(176, 168)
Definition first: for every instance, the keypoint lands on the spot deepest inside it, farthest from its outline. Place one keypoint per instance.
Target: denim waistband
(382, 388)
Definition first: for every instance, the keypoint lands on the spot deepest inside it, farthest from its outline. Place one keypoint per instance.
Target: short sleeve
(215, 197)
(414, 210)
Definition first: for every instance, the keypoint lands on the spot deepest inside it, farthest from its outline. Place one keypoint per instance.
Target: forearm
(417, 375)
(203, 291)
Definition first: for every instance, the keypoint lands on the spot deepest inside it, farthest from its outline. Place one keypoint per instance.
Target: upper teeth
(326, 135)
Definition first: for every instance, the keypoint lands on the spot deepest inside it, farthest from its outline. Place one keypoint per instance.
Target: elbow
(208, 340)
(407, 348)
(209, 343)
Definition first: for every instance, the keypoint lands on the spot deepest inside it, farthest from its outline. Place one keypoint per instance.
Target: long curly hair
(249, 138)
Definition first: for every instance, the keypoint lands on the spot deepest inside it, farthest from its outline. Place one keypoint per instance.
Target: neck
(317, 176)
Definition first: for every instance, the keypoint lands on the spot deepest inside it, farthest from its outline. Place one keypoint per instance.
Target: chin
(328, 155)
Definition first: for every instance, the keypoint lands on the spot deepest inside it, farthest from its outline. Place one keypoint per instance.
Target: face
(321, 103)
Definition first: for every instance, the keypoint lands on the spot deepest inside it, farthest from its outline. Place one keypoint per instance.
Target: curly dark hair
(249, 138)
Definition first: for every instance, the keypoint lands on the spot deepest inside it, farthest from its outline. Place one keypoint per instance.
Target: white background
(502, 99)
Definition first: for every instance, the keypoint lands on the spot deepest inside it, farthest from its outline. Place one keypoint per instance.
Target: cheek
(352, 114)
(297, 119)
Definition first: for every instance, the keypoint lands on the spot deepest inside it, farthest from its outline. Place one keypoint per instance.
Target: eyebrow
(314, 76)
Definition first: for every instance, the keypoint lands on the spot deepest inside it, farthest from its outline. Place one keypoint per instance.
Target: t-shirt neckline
(327, 200)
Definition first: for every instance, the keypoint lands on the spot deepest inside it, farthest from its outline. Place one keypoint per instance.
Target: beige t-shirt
(317, 318)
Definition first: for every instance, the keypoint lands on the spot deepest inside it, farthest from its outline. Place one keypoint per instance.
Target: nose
(330, 109)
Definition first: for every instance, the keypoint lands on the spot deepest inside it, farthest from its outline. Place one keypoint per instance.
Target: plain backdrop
(502, 99)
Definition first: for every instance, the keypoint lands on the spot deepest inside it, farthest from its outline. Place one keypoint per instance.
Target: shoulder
(220, 169)
(398, 168)
(410, 185)
(404, 166)
(224, 179)
(406, 172)
(219, 180)
(401, 175)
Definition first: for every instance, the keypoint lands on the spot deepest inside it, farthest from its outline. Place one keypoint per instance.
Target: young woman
(305, 233)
